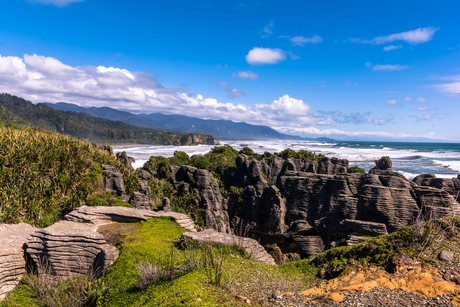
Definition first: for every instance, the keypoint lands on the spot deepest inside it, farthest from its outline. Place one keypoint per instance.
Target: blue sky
(353, 70)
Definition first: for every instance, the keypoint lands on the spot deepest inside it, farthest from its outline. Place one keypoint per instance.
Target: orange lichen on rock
(425, 281)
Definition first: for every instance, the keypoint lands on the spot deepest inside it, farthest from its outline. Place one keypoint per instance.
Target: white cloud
(58, 3)
(245, 75)
(368, 64)
(390, 67)
(407, 98)
(268, 30)
(300, 40)
(46, 79)
(426, 117)
(422, 100)
(425, 108)
(306, 131)
(232, 92)
(392, 47)
(414, 37)
(258, 56)
(391, 102)
(451, 87)
(293, 56)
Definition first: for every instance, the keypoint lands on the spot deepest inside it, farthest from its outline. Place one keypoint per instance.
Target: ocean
(410, 159)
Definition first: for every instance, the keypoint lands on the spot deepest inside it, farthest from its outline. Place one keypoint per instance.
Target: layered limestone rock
(113, 181)
(142, 199)
(70, 249)
(197, 139)
(102, 215)
(254, 249)
(187, 178)
(13, 239)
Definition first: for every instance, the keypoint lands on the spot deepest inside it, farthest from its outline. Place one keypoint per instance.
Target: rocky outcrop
(316, 205)
(187, 179)
(13, 239)
(70, 249)
(252, 247)
(197, 139)
(113, 181)
(102, 215)
(142, 199)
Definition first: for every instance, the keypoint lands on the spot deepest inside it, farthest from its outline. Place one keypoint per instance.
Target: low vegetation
(46, 175)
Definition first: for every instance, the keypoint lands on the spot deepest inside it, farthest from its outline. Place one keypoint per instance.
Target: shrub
(356, 169)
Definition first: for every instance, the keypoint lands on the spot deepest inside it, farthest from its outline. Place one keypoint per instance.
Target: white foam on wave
(453, 165)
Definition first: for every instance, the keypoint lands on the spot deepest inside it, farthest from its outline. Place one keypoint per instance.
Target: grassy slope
(45, 175)
(153, 238)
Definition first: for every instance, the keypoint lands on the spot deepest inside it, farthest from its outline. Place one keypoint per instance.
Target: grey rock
(102, 215)
(166, 204)
(68, 248)
(113, 181)
(13, 239)
(206, 186)
(254, 249)
(384, 163)
(446, 255)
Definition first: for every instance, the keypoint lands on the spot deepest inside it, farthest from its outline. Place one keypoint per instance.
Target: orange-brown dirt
(422, 280)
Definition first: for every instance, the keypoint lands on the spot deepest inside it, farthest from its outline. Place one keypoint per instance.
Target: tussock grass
(45, 175)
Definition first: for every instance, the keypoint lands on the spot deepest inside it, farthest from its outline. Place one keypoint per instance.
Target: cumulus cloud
(392, 47)
(58, 3)
(258, 56)
(268, 30)
(407, 98)
(245, 75)
(300, 40)
(46, 79)
(391, 102)
(390, 67)
(422, 100)
(414, 37)
(427, 117)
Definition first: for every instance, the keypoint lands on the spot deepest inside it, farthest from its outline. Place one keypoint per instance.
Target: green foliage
(22, 113)
(246, 151)
(179, 158)
(301, 154)
(356, 169)
(44, 176)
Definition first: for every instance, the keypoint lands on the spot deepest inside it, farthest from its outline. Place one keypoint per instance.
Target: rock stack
(12, 255)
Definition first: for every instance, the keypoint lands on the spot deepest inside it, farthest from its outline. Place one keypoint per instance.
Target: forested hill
(19, 112)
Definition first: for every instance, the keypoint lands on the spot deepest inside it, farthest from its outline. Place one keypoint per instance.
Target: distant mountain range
(19, 113)
(220, 129)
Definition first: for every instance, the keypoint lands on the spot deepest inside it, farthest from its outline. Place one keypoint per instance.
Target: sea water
(410, 159)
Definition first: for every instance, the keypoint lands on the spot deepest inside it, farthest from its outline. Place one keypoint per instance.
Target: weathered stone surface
(68, 248)
(206, 186)
(113, 181)
(250, 245)
(13, 239)
(451, 186)
(166, 204)
(102, 215)
(142, 199)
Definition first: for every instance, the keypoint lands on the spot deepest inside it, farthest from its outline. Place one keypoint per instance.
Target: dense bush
(356, 169)
(45, 175)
